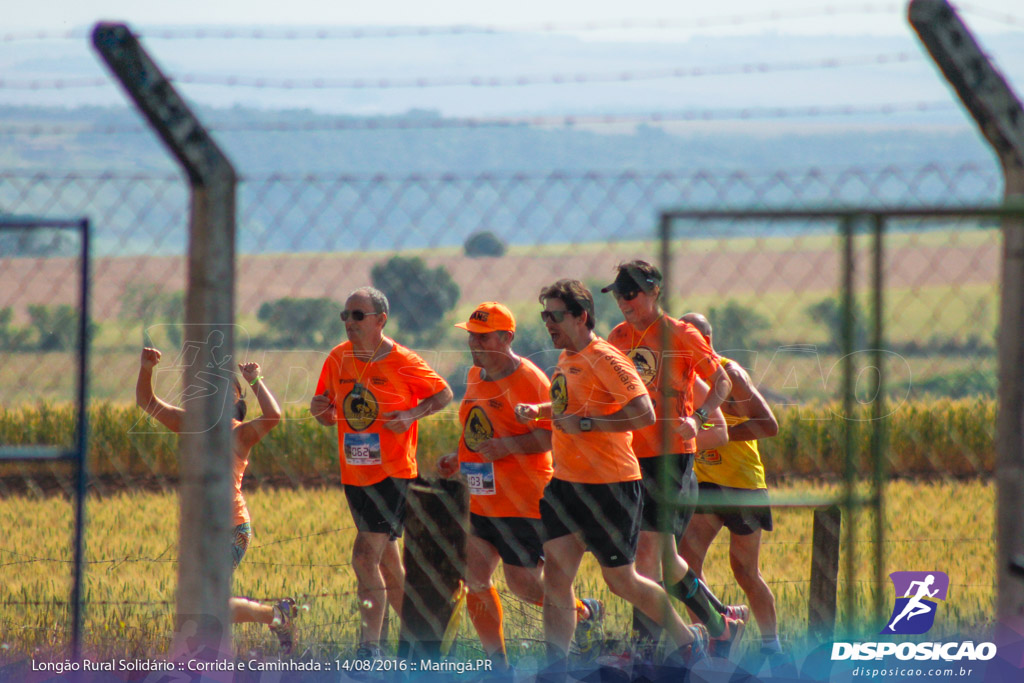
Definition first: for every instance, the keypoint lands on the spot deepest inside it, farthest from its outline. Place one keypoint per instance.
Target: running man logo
(477, 429)
(646, 364)
(914, 612)
(559, 395)
(360, 409)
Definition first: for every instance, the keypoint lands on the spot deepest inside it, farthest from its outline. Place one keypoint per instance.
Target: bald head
(701, 323)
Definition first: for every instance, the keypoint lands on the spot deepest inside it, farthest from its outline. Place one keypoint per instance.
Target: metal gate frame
(76, 453)
(851, 221)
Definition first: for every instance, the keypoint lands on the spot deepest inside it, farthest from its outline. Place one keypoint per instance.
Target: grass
(302, 545)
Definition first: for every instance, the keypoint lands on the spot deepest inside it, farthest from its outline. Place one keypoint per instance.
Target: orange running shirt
(511, 486)
(369, 452)
(689, 355)
(597, 381)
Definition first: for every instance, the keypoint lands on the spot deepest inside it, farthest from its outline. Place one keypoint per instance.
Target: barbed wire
(549, 121)
(1003, 18)
(390, 32)
(476, 81)
(299, 538)
(360, 33)
(512, 603)
(27, 559)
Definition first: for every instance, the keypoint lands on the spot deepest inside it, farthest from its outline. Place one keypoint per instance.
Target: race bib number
(362, 449)
(480, 477)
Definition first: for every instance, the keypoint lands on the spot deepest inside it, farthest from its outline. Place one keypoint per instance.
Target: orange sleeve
(702, 356)
(617, 376)
(328, 374)
(419, 377)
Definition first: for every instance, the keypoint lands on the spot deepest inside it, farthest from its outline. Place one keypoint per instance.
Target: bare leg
(367, 558)
(562, 562)
(743, 557)
(394, 575)
(526, 583)
(648, 597)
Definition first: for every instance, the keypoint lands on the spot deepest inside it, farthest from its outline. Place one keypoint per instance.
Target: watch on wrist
(586, 424)
(702, 415)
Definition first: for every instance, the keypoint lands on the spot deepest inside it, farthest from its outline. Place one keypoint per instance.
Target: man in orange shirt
(506, 464)
(594, 498)
(375, 390)
(244, 435)
(670, 375)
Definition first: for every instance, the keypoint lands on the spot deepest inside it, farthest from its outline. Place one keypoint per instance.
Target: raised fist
(250, 371)
(150, 357)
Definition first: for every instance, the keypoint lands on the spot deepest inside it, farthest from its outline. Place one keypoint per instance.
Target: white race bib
(362, 449)
(480, 477)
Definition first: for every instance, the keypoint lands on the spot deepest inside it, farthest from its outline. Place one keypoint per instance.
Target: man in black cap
(695, 423)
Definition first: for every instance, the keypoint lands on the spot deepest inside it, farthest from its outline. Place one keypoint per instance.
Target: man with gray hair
(375, 390)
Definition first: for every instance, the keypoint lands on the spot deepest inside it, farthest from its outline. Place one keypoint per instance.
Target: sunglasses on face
(355, 315)
(553, 316)
(627, 296)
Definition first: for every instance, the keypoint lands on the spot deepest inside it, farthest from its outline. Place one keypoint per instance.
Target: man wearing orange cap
(506, 464)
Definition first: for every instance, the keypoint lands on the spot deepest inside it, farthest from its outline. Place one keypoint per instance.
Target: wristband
(253, 383)
(701, 414)
(706, 426)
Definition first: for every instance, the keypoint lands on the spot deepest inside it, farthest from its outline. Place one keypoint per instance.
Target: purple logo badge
(917, 600)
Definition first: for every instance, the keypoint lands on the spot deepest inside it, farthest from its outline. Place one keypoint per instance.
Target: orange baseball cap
(490, 316)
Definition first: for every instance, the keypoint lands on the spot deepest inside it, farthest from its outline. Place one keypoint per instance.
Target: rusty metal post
(997, 111)
(204, 569)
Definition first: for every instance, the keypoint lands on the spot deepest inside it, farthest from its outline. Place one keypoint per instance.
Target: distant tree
(148, 304)
(419, 296)
(56, 327)
(484, 243)
(11, 337)
(301, 322)
(737, 326)
(829, 312)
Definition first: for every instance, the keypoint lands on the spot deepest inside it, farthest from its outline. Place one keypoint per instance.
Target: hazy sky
(750, 54)
(848, 17)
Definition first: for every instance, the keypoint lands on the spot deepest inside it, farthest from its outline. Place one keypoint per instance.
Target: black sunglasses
(355, 315)
(627, 296)
(553, 316)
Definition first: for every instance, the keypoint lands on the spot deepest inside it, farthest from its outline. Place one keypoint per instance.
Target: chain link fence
(438, 245)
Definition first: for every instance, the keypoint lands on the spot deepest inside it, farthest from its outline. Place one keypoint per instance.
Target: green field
(302, 544)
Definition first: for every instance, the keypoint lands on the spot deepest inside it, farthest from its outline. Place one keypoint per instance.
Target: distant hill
(308, 187)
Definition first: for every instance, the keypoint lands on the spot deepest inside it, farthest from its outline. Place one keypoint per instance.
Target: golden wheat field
(302, 543)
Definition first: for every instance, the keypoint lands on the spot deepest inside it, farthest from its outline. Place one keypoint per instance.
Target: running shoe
(722, 645)
(589, 632)
(283, 625)
(690, 654)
